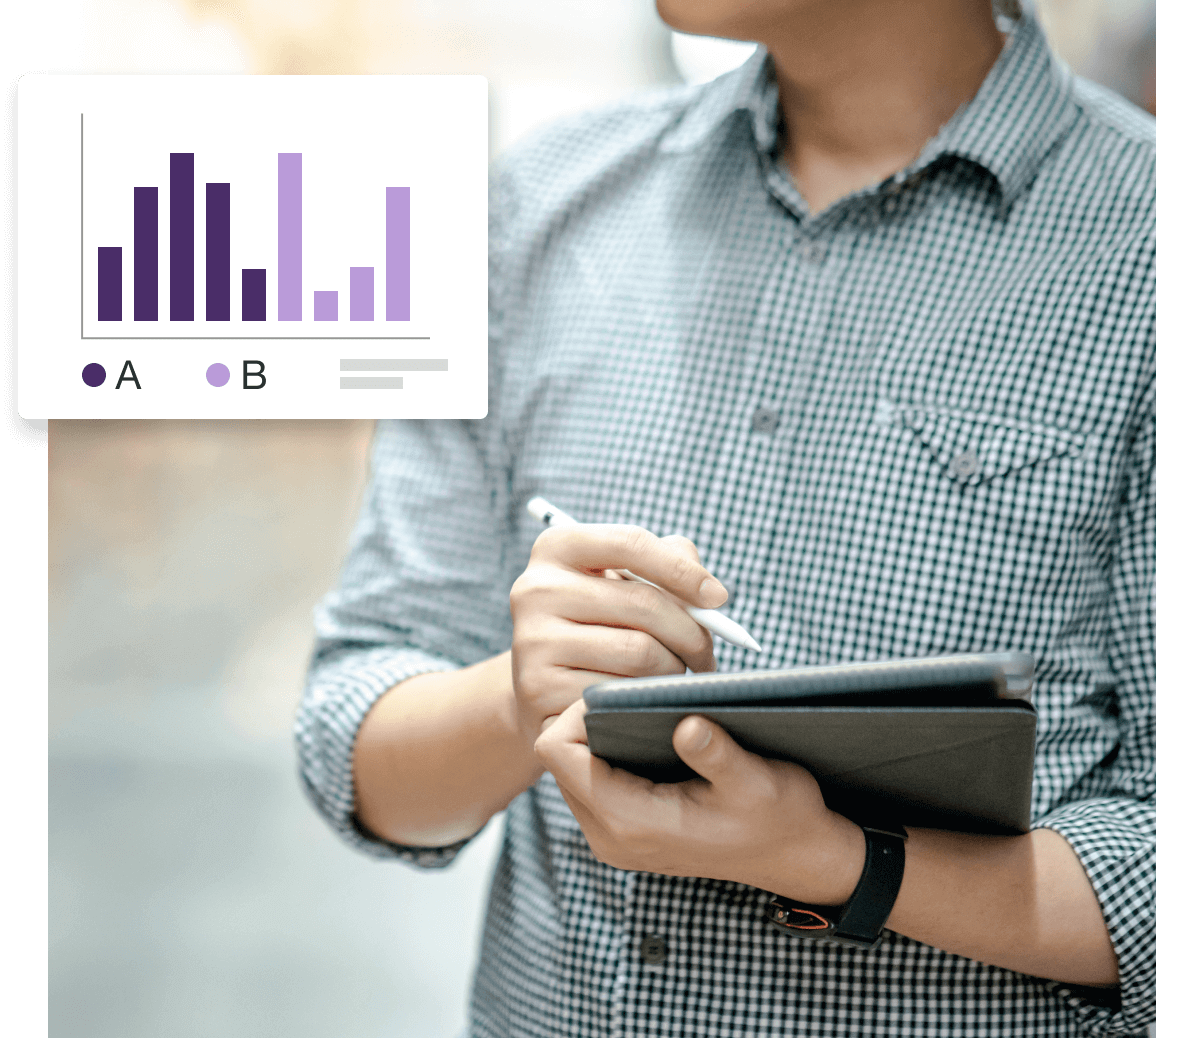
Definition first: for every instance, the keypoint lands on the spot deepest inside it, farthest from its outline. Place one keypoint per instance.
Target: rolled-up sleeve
(341, 690)
(421, 591)
(1112, 829)
(423, 587)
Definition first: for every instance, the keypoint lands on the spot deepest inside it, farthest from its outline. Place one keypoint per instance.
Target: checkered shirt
(919, 422)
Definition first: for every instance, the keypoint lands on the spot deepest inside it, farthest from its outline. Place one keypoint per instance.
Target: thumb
(709, 750)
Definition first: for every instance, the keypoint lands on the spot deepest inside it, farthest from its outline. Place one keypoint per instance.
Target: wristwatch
(859, 920)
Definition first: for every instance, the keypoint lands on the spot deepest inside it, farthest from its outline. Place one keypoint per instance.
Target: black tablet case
(945, 742)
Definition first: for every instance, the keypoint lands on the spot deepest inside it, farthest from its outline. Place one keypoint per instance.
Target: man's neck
(864, 84)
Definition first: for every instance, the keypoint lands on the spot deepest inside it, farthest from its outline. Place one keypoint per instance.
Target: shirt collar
(750, 88)
(1023, 108)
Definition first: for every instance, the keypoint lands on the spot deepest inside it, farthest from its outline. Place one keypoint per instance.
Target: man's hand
(1020, 902)
(573, 627)
(747, 819)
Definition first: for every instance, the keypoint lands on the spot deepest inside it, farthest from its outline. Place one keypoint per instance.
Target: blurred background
(192, 889)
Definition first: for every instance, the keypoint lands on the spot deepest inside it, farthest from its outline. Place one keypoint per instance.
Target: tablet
(945, 742)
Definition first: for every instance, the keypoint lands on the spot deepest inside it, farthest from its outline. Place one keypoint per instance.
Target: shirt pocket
(973, 448)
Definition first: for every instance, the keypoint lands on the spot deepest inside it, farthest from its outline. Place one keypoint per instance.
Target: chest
(872, 411)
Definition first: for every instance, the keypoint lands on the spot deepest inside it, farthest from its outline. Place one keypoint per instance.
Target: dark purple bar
(217, 252)
(326, 306)
(182, 230)
(254, 295)
(108, 284)
(361, 294)
(146, 254)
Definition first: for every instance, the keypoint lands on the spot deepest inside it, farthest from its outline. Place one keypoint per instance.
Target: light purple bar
(288, 235)
(397, 254)
(326, 306)
(361, 293)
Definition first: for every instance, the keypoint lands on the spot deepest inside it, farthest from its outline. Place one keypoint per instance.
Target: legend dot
(215, 375)
(93, 375)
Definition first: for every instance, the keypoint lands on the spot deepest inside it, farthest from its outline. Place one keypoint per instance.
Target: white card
(252, 246)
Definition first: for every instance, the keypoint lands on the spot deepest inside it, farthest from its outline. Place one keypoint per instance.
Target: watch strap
(861, 919)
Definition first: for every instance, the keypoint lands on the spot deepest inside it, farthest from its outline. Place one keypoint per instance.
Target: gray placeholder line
(392, 365)
(255, 338)
(377, 382)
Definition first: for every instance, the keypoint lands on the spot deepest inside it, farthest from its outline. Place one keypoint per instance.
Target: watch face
(797, 919)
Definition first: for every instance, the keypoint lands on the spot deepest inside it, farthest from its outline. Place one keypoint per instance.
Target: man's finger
(710, 751)
(596, 547)
(677, 542)
(564, 751)
(634, 651)
(560, 733)
(630, 604)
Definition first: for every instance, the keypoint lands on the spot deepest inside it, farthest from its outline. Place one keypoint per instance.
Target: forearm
(1020, 902)
(1023, 903)
(439, 754)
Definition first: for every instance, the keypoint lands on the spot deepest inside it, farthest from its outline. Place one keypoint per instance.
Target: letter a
(128, 366)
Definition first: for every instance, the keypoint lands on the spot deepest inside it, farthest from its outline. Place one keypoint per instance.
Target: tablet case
(946, 742)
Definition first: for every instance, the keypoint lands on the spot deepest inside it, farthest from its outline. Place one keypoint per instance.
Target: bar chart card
(252, 246)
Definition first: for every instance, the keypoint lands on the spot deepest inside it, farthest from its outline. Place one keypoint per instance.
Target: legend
(252, 246)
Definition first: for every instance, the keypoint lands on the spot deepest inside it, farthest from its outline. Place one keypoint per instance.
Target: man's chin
(752, 20)
(724, 18)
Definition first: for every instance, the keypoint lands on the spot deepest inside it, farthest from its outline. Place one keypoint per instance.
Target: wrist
(438, 755)
(823, 865)
(848, 859)
(507, 718)
(861, 919)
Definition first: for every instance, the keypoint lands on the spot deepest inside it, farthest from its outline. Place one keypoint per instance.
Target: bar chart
(271, 227)
(184, 244)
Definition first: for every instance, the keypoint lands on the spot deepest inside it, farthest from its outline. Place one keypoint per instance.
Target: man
(870, 321)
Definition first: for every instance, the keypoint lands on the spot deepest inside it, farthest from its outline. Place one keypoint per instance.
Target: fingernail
(711, 593)
(701, 742)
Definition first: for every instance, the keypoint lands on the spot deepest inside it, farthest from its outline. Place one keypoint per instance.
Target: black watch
(859, 920)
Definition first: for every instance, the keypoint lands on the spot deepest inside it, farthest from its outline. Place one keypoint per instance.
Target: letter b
(249, 373)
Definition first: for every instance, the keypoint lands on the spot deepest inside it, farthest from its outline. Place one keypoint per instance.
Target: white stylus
(713, 620)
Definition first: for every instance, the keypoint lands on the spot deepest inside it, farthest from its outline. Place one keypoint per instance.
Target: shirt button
(765, 421)
(965, 464)
(812, 252)
(653, 950)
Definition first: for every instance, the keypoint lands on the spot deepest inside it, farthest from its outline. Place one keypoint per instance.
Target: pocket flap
(972, 448)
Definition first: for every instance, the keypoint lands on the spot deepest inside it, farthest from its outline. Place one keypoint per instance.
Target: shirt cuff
(1114, 840)
(342, 687)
